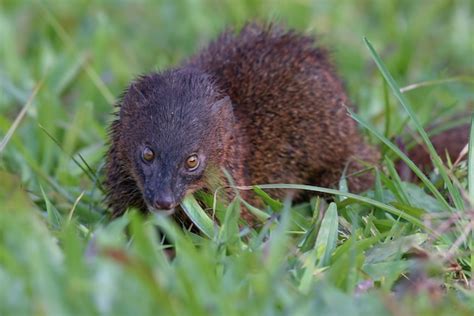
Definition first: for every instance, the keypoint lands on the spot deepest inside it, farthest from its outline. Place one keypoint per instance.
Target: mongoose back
(265, 104)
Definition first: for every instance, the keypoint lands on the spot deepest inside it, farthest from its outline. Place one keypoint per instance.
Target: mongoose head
(171, 133)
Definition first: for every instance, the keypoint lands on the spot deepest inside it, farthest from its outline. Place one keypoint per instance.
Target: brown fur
(281, 119)
(450, 142)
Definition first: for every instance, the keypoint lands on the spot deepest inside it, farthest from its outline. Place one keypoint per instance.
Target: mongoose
(265, 104)
(448, 144)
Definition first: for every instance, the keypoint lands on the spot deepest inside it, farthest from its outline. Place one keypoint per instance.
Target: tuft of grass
(437, 162)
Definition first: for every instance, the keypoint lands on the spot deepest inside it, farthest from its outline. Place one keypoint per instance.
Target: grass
(399, 249)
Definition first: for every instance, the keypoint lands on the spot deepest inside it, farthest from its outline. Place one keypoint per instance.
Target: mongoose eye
(192, 162)
(148, 154)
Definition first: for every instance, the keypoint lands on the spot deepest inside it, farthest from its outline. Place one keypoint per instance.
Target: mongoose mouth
(154, 210)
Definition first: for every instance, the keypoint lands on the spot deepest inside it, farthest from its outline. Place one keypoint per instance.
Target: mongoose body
(265, 104)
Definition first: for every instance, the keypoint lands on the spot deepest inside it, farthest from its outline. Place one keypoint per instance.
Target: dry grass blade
(463, 237)
(19, 117)
(436, 82)
(75, 205)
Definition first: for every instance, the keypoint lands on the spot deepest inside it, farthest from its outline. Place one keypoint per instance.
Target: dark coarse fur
(264, 104)
(448, 144)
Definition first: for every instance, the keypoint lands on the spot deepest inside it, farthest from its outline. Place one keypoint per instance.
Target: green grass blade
(400, 189)
(54, 217)
(312, 233)
(356, 197)
(327, 236)
(277, 250)
(325, 244)
(387, 111)
(470, 167)
(71, 74)
(259, 214)
(195, 212)
(274, 204)
(229, 231)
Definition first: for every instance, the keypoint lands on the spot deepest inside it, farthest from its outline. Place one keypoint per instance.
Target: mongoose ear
(223, 113)
(132, 98)
(222, 106)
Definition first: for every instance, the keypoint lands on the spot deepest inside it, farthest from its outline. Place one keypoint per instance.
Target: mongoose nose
(164, 202)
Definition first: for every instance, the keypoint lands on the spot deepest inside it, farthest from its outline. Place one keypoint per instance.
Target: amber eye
(192, 162)
(148, 154)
